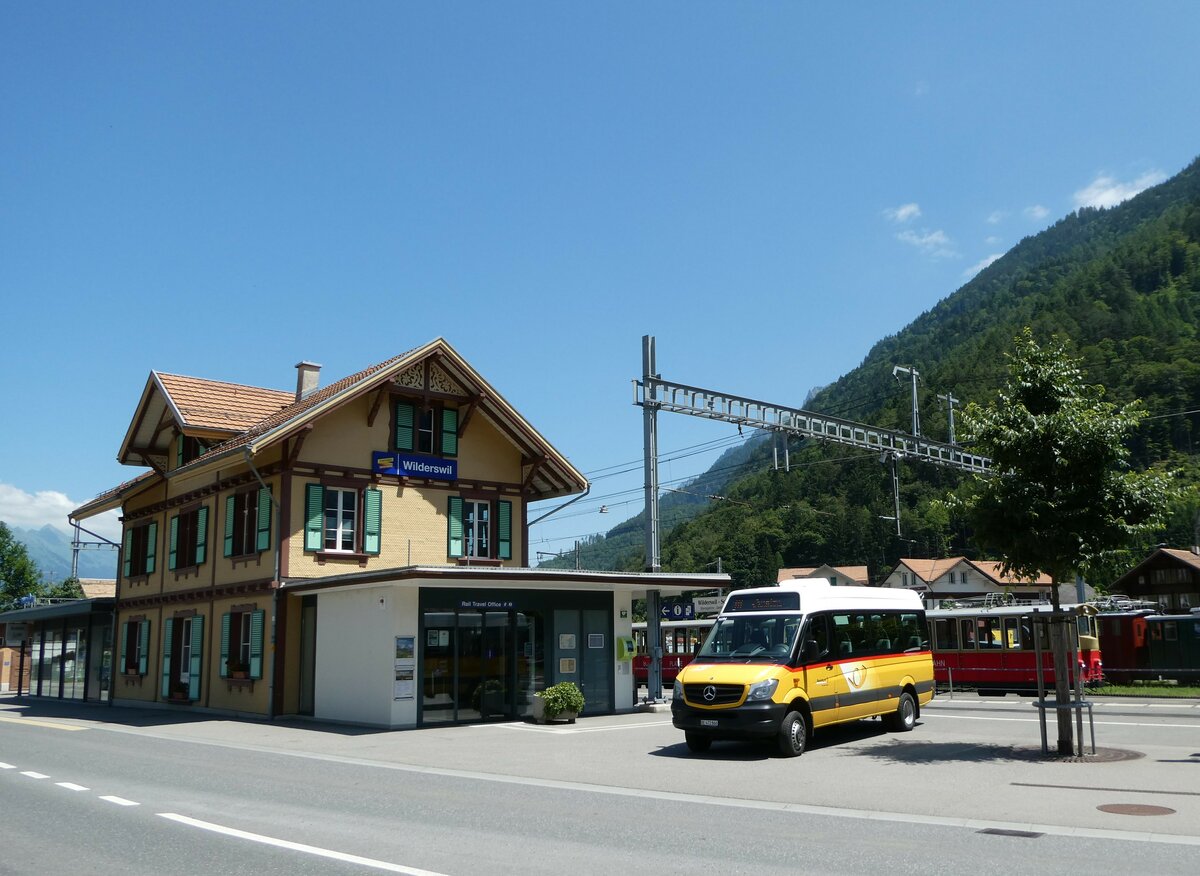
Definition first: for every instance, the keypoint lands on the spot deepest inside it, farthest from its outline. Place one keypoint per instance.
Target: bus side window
(946, 632)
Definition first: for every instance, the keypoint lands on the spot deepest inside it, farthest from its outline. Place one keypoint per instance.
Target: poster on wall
(566, 641)
(406, 647)
(403, 689)
(595, 640)
(566, 665)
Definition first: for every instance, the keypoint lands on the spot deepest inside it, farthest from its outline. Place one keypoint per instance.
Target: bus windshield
(760, 638)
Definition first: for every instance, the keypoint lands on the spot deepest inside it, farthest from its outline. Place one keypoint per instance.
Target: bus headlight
(763, 690)
(677, 691)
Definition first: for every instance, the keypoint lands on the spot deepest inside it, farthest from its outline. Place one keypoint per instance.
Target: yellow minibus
(781, 662)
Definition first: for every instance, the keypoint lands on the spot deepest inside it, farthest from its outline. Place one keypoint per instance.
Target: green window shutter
(128, 551)
(201, 535)
(174, 542)
(223, 666)
(179, 450)
(454, 540)
(263, 539)
(405, 414)
(314, 514)
(197, 662)
(124, 643)
(256, 643)
(229, 502)
(151, 548)
(449, 432)
(168, 632)
(504, 529)
(143, 647)
(372, 520)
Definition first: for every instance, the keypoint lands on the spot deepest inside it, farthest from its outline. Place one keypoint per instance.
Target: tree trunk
(1062, 687)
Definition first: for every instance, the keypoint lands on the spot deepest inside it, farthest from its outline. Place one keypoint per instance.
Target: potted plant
(562, 701)
(179, 692)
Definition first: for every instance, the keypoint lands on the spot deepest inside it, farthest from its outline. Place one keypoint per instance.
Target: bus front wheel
(793, 735)
(697, 743)
(905, 716)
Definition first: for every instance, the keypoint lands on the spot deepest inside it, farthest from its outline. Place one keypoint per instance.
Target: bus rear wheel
(697, 743)
(793, 735)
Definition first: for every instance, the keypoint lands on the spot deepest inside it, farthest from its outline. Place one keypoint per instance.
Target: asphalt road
(117, 790)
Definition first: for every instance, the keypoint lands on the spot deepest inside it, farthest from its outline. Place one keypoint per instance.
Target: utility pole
(653, 561)
(912, 372)
(950, 401)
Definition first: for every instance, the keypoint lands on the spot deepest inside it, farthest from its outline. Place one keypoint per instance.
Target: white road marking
(120, 801)
(34, 775)
(7, 766)
(71, 786)
(298, 847)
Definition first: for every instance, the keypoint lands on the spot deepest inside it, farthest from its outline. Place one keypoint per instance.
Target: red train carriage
(680, 641)
(993, 649)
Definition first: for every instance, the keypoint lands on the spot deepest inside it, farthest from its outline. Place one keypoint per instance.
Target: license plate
(708, 722)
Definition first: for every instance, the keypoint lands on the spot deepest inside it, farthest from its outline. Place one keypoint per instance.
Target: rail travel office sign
(411, 465)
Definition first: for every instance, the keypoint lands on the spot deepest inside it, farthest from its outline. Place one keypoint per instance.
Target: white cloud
(976, 268)
(932, 243)
(903, 213)
(1037, 211)
(991, 240)
(35, 510)
(996, 217)
(1106, 191)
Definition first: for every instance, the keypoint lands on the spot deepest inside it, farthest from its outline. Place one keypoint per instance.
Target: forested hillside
(1120, 286)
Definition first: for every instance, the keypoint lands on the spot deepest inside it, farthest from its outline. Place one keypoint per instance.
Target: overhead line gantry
(653, 394)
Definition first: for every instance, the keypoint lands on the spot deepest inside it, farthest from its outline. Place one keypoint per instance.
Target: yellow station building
(357, 552)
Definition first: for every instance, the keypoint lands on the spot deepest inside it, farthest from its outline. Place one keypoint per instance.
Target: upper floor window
(432, 430)
(189, 538)
(473, 530)
(247, 522)
(188, 448)
(343, 519)
(140, 548)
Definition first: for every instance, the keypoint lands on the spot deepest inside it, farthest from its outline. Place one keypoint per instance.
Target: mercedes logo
(710, 693)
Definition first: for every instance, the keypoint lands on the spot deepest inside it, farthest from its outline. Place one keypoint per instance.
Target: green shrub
(561, 697)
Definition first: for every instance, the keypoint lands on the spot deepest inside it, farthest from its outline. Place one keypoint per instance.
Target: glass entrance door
(476, 665)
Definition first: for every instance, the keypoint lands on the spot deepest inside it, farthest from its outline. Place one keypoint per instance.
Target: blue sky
(223, 190)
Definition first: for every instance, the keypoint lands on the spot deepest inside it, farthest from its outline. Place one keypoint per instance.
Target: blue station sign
(411, 465)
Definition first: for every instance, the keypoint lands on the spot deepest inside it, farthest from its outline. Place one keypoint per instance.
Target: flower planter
(539, 714)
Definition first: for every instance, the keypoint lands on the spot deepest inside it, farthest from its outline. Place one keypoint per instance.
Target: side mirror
(811, 650)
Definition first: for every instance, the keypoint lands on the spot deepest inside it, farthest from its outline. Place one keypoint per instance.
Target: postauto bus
(781, 662)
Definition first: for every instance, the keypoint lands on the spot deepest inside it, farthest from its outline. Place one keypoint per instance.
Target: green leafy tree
(1062, 498)
(68, 588)
(18, 574)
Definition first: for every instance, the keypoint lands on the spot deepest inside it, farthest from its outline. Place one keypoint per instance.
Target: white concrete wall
(356, 650)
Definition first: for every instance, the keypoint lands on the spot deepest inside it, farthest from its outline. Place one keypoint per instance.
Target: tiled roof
(991, 568)
(931, 570)
(854, 573)
(1187, 557)
(214, 404)
(94, 588)
(297, 408)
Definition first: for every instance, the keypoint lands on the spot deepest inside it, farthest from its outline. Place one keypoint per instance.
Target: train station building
(357, 552)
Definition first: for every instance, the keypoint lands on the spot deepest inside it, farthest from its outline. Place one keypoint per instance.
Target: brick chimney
(308, 377)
